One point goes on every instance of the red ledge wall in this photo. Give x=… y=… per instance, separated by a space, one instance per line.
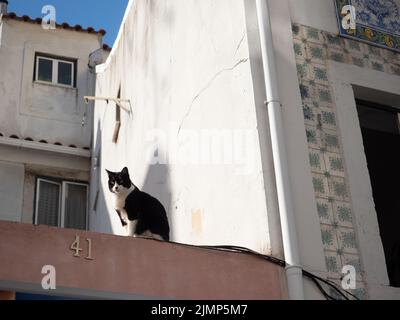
x=129 y=266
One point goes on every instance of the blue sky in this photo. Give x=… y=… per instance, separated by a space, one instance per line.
x=99 y=14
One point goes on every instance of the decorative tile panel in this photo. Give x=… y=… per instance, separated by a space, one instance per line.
x=338 y=189
x=323 y=95
x=313 y=49
x=360 y=292
x=353 y=46
x=337 y=55
x=325 y=211
x=334 y=164
x=299 y=49
x=317 y=162
x=353 y=260
x=313 y=35
x=328 y=118
x=311 y=114
x=321 y=185
x=303 y=70
x=316 y=52
x=314 y=137
x=330 y=140
x=329 y=238
x=377 y=22
x=347 y=240
x=319 y=73
x=333 y=264
x=343 y=214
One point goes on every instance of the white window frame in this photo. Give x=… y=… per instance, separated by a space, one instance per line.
x=38 y=196
x=343 y=79
x=117 y=125
x=55 y=62
x=61 y=209
x=63 y=197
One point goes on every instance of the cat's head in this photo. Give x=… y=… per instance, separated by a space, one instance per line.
x=119 y=182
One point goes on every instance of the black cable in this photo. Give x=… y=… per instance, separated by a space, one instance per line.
x=324 y=293
x=283 y=264
x=314 y=278
x=332 y=284
x=311 y=276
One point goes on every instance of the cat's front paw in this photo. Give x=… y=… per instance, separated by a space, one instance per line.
x=124 y=221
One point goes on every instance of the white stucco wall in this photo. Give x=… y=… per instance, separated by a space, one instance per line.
x=319 y=14
x=178 y=67
x=40 y=111
x=185 y=64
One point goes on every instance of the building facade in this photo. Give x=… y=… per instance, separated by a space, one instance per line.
x=193 y=74
x=45 y=126
x=270 y=125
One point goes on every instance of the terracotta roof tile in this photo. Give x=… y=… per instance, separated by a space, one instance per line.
x=79 y=28
x=106 y=47
x=43 y=141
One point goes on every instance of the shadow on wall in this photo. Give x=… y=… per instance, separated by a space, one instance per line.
x=104 y=223
x=100 y=216
x=157 y=184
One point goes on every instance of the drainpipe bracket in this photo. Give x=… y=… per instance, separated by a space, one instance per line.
x=295 y=267
x=268 y=102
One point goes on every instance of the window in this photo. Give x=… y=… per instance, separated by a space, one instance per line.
x=117 y=119
x=61 y=203
x=380 y=128
x=55 y=70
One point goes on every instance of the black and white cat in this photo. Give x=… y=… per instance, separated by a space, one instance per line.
x=140 y=213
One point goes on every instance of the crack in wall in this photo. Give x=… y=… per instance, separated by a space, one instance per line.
x=207 y=86
x=240 y=42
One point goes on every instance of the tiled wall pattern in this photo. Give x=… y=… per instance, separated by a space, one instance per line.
x=313 y=49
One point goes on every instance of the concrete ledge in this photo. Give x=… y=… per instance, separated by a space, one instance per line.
x=125 y=267
x=33 y=145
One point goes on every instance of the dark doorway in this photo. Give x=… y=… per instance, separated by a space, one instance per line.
x=381 y=135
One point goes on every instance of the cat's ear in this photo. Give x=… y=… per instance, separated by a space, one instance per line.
x=110 y=174
x=125 y=171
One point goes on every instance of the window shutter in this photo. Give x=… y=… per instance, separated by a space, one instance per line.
x=75 y=206
x=48 y=204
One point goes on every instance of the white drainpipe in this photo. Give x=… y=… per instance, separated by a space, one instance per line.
x=288 y=224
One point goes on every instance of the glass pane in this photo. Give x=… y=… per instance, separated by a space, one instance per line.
x=75 y=206
x=65 y=73
x=48 y=206
x=45 y=70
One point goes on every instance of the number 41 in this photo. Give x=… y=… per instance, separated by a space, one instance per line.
x=75 y=246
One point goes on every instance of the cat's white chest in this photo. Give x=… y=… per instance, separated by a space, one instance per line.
x=120 y=203
x=120 y=207
x=121 y=198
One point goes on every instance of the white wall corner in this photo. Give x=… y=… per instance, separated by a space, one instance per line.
x=307 y=220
